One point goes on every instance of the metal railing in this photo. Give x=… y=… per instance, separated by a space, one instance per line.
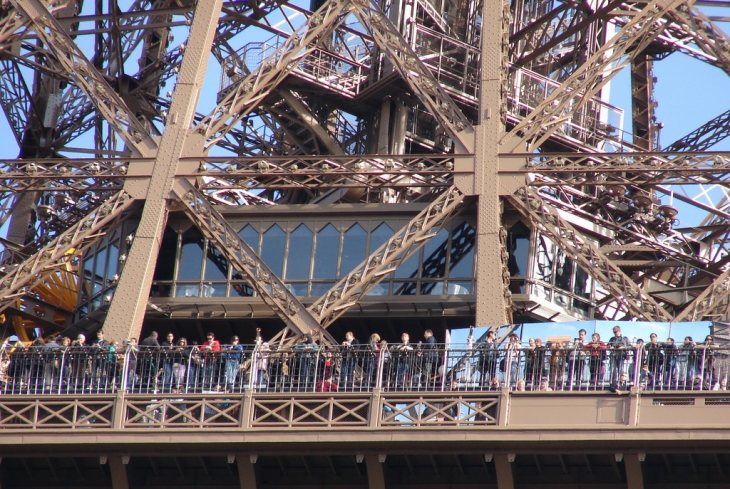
x=412 y=368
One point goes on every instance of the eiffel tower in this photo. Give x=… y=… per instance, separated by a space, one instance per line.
x=315 y=168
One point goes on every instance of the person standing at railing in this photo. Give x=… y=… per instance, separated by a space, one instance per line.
x=430 y=357
x=404 y=358
x=511 y=360
x=180 y=356
x=210 y=350
x=261 y=364
x=349 y=353
x=372 y=356
x=233 y=355
x=488 y=358
x=306 y=351
x=52 y=366
x=619 y=346
x=99 y=360
x=670 y=364
x=577 y=360
x=686 y=363
x=167 y=360
x=596 y=358
x=655 y=359
x=78 y=358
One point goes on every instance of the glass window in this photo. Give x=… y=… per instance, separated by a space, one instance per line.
x=544 y=260
x=112 y=260
x=461 y=261
x=216 y=265
x=99 y=272
x=353 y=249
x=273 y=249
x=583 y=283
x=328 y=247
x=434 y=255
x=380 y=235
x=250 y=236
x=563 y=271
x=409 y=268
x=518 y=247
x=191 y=255
x=300 y=253
x=165 y=268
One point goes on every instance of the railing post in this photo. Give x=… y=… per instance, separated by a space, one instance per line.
x=119 y=410
x=376 y=408
x=504 y=399
x=247 y=409
x=634 y=397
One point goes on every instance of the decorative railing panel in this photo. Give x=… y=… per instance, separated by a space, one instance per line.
x=330 y=412
x=66 y=413
x=438 y=411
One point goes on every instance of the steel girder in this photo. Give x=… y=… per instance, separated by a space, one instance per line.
x=705 y=136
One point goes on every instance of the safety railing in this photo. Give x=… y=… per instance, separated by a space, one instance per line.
x=411 y=368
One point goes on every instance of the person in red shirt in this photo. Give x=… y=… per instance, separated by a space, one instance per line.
x=211 y=362
x=596 y=357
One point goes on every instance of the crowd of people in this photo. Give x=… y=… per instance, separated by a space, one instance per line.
x=62 y=365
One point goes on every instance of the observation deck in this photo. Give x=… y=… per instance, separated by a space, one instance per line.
x=388 y=425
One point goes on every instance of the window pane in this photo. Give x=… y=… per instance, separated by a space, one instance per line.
x=518 y=247
x=300 y=253
x=564 y=271
x=250 y=236
x=583 y=283
x=434 y=255
x=380 y=235
x=216 y=265
x=328 y=247
x=273 y=249
x=191 y=256
x=112 y=260
x=99 y=272
x=461 y=262
x=409 y=268
x=544 y=260
x=353 y=249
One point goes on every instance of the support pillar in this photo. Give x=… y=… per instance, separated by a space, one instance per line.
x=118 y=472
x=246 y=472
x=505 y=479
x=128 y=307
x=492 y=305
x=376 y=478
x=634 y=474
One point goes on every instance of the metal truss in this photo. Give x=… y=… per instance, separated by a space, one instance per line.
x=243 y=259
x=704 y=137
x=705 y=34
x=419 y=78
x=19 y=277
x=711 y=302
x=65 y=51
x=586 y=81
x=624 y=292
x=345 y=293
x=248 y=91
x=639 y=169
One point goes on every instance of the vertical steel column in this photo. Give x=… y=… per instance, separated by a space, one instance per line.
x=376 y=477
x=491 y=306
x=118 y=471
x=634 y=474
x=246 y=472
x=127 y=310
x=505 y=479
x=642 y=105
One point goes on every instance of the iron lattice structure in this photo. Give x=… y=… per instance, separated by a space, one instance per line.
x=496 y=108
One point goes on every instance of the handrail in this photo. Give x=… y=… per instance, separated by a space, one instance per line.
x=412 y=368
